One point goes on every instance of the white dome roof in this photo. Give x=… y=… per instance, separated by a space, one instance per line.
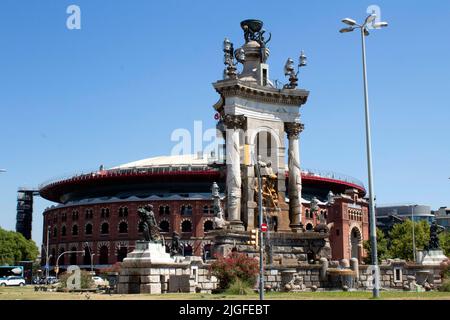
x=165 y=161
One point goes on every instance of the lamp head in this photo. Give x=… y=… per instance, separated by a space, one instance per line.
x=227 y=45
x=302 y=60
x=349 y=29
x=349 y=21
x=370 y=19
x=380 y=25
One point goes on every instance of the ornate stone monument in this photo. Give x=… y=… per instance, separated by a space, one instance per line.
x=255 y=116
x=433 y=254
x=137 y=272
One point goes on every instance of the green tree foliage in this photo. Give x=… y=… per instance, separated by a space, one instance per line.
x=401 y=245
x=14 y=247
x=444 y=239
x=382 y=248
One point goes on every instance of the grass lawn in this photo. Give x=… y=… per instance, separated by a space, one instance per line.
x=28 y=293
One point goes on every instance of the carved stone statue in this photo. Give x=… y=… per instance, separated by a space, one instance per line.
x=175 y=248
x=269 y=190
x=295 y=285
x=151 y=230
x=219 y=221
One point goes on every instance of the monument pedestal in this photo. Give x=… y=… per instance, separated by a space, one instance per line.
x=431 y=257
x=147 y=269
x=286 y=248
x=148 y=253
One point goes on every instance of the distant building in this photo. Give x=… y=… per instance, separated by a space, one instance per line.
x=24 y=217
x=389 y=215
x=443 y=217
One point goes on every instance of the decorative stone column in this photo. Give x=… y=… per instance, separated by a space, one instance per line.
x=233 y=125
x=293 y=130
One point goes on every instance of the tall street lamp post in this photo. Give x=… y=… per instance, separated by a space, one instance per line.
x=47 y=264
x=413 y=232
x=261 y=238
x=373 y=234
x=63 y=253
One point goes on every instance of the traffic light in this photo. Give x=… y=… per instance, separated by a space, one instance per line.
x=254 y=240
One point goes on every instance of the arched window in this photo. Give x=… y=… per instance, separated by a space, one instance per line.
x=207 y=251
x=74 y=230
x=307 y=214
x=189 y=209
x=63 y=231
x=105 y=213
x=123 y=227
x=186 y=226
x=120 y=212
x=122 y=253
x=208 y=226
x=87 y=256
x=161 y=209
x=55 y=232
x=183 y=209
x=104 y=255
x=167 y=210
x=125 y=211
x=73 y=256
x=104 y=228
x=53 y=257
x=88 y=228
x=61 y=261
x=187 y=250
x=164 y=226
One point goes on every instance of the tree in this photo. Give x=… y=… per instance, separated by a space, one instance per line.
x=14 y=247
x=401 y=245
x=444 y=239
x=382 y=248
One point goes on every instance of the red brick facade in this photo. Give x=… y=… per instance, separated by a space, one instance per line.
x=199 y=217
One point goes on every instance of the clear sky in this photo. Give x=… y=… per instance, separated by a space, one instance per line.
x=114 y=91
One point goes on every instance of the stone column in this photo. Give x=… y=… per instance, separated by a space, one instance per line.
x=295 y=180
x=233 y=125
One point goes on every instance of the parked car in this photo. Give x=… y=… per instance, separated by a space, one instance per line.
x=12 y=281
x=49 y=280
x=100 y=282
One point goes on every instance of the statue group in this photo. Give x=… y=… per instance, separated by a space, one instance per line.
x=150 y=230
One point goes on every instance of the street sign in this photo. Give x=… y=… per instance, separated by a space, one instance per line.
x=264 y=227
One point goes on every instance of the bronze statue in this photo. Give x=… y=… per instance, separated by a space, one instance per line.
x=175 y=247
x=151 y=230
x=434 y=238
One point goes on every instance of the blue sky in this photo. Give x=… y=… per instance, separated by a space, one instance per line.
x=114 y=91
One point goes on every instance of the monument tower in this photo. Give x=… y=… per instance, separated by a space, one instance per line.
x=256 y=115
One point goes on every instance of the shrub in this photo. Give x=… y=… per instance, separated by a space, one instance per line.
x=239 y=287
x=86 y=280
x=234 y=267
x=445 y=286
